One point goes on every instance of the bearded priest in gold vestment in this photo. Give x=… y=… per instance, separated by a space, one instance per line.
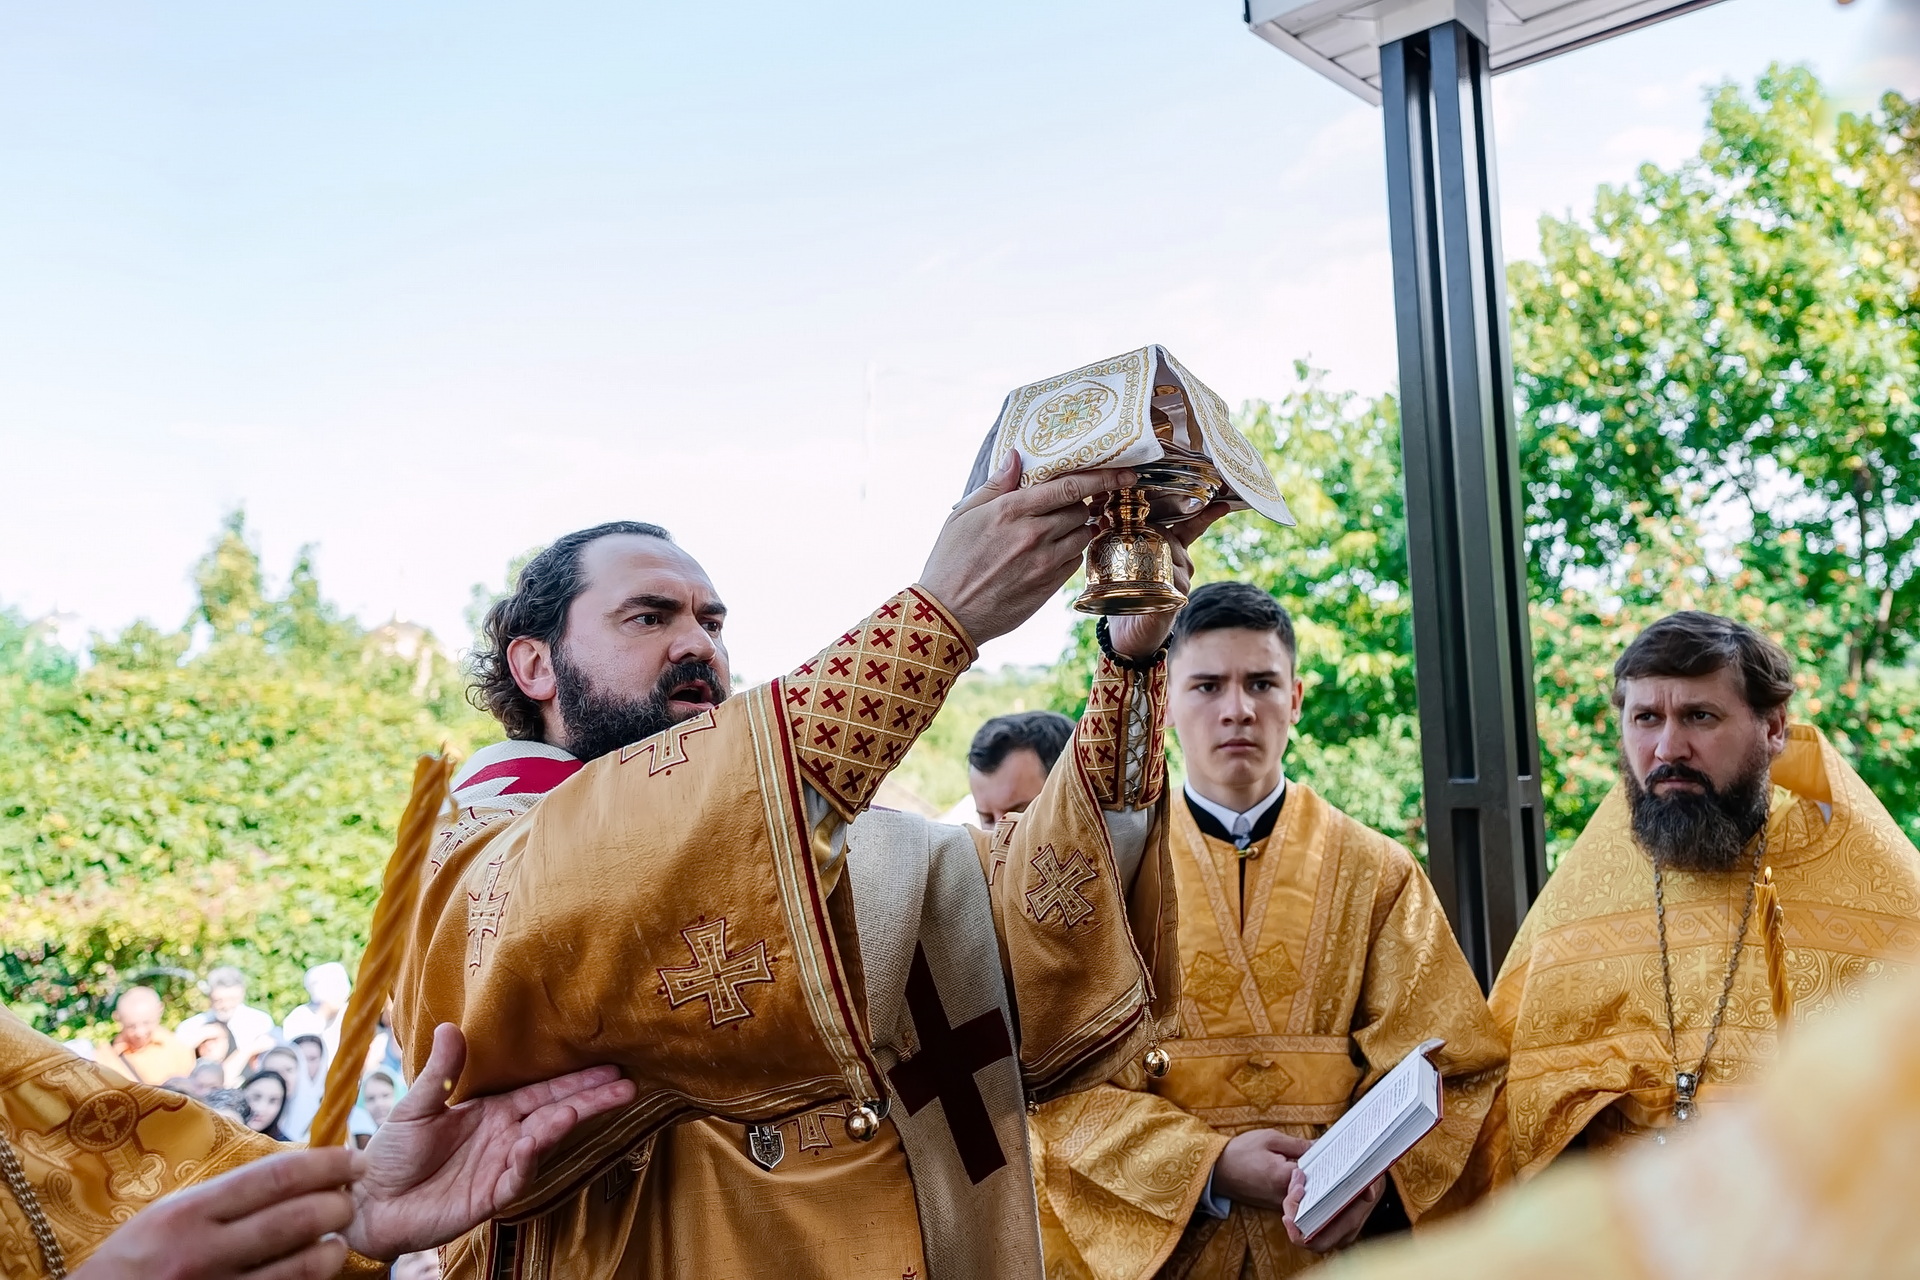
x=1740 y=876
x=834 y=1017
x=1315 y=958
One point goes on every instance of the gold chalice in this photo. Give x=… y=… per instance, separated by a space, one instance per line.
x=1130 y=562
x=1141 y=410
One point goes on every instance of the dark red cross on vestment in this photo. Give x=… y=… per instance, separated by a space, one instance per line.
x=944 y=1067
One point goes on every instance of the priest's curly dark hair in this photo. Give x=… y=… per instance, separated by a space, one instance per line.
x=536 y=607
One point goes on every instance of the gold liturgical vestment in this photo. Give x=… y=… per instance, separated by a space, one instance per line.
x=1580 y=995
x=684 y=908
x=1810 y=1175
x=1302 y=988
x=96 y=1149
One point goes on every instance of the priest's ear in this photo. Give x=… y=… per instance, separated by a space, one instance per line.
x=531 y=662
x=1775 y=721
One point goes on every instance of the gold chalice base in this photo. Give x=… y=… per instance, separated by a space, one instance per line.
x=1129 y=563
x=1112 y=599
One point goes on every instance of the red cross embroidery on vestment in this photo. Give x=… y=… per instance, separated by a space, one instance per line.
x=716 y=975
x=944 y=1067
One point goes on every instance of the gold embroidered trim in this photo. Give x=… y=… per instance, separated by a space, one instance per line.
x=796 y=880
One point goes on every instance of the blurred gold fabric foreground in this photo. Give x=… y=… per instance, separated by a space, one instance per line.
x=1809 y=1175
x=684 y=908
x=96 y=1149
x=1302 y=987
x=1580 y=995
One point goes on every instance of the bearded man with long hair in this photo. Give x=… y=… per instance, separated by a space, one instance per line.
x=693 y=882
x=1740 y=877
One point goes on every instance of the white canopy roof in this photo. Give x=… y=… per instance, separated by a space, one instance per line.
x=1341 y=39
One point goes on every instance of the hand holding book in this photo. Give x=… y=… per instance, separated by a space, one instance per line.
x=1343 y=1228
x=1260 y=1169
x=1346 y=1168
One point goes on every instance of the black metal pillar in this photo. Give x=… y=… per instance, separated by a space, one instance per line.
x=1473 y=657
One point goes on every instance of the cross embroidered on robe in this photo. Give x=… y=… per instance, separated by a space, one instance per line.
x=943 y=1069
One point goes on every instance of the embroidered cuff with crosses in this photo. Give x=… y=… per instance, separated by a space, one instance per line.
x=856 y=707
x=1119 y=739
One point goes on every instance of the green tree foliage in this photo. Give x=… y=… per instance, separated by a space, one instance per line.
x=1342 y=574
x=223 y=793
x=1727 y=352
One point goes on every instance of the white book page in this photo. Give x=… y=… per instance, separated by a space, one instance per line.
x=1356 y=1137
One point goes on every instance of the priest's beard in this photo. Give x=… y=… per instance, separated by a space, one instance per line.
x=598 y=722
x=1703 y=832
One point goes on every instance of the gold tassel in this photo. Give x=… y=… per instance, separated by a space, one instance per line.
x=1774 y=920
x=386 y=939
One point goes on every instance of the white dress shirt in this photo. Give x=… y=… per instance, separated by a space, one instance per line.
x=1239 y=825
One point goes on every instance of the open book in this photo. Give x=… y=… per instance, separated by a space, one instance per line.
x=1363 y=1144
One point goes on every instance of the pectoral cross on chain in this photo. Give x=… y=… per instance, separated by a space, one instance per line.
x=943 y=1069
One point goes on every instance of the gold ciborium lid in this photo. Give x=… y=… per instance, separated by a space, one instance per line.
x=1141 y=410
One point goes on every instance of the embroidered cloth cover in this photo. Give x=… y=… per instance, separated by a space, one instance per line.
x=1114 y=413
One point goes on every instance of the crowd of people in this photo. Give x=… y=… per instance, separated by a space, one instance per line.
x=266 y=1075
x=235 y=1058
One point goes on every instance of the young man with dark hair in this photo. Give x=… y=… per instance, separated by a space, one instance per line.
x=687 y=881
x=1315 y=956
x=1010 y=759
x=1654 y=975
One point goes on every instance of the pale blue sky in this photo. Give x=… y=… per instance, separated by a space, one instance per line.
x=427 y=284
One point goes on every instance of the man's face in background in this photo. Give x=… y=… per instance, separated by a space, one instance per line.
x=1696 y=759
x=1010 y=788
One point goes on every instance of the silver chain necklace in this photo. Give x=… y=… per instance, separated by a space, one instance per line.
x=1687 y=1083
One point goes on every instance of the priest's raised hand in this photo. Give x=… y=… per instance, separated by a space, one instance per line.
x=1005 y=550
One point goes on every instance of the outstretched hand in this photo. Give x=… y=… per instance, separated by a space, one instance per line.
x=1140 y=635
x=434 y=1172
x=1005 y=550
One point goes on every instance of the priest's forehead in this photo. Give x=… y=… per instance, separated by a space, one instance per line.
x=623 y=568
